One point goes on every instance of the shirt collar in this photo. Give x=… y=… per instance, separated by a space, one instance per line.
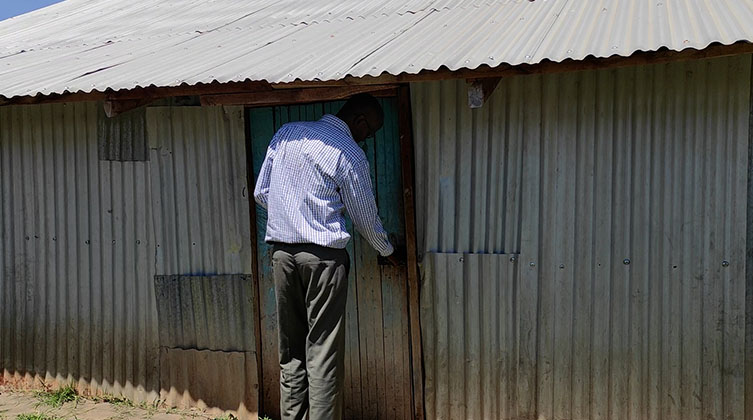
x=337 y=123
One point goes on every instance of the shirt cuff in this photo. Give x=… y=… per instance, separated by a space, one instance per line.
x=386 y=252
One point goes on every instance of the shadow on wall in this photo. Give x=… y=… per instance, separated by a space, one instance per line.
x=214 y=381
x=204 y=355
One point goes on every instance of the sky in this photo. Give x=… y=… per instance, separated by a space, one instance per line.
x=10 y=8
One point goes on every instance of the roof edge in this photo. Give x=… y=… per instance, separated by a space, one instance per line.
x=663 y=55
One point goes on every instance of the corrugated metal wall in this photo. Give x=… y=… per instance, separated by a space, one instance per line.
x=199 y=190
x=82 y=239
x=624 y=194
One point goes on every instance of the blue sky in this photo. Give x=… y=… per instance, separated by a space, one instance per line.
x=10 y=8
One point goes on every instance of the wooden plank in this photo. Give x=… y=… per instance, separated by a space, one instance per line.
x=296 y=96
x=370 y=310
x=394 y=279
x=262 y=123
x=140 y=93
x=254 y=260
x=407 y=175
x=385 y=171
x=354 y=407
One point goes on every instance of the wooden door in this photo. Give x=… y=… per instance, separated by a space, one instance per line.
x=377 y=359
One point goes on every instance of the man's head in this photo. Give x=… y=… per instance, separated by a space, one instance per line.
x=363 y=114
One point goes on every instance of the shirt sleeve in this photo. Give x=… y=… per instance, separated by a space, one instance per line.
x=358 y=198
x=261 y=191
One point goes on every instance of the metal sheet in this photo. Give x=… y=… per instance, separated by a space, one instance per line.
x=82 y=239
x=217 y=382
x=198 y=184
x=94 y=45
x=470 y=332
x=630 y=299
x=206 y=312
x=122 y=138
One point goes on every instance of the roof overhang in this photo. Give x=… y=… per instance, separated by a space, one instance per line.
x=261 y=93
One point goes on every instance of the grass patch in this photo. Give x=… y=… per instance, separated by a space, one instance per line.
x=37 y=416
x=111 y=399
x=57 y=398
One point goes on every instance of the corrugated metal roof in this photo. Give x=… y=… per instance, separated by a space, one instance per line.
x=94 y=45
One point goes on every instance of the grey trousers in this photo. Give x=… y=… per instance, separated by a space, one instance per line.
x=311 y=285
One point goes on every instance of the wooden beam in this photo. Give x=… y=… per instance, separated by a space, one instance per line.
x=114 y=107
x=139 y=93
x=405 y=128
x=296 y=96
x=479 y=90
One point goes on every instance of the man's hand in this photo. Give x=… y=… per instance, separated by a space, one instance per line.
x=396 y=259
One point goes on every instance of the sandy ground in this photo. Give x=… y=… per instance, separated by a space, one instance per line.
x=13 y=403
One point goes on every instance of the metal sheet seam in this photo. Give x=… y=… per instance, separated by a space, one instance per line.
x=548 y=30
x=393 y=38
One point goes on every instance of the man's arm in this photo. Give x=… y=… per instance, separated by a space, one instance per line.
x=358 y=198
x=261 y=192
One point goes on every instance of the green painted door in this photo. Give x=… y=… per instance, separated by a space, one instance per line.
x=377 y=361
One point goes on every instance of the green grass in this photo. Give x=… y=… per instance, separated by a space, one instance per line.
x=57 y=398
x=37 y=416
x=111 y=399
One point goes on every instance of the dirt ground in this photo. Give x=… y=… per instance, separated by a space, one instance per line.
x=15 y=403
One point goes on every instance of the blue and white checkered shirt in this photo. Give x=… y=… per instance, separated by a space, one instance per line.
x=312 y=173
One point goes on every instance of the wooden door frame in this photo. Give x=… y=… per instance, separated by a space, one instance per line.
x=405 y=128
x=405 y=133
x=255 y=275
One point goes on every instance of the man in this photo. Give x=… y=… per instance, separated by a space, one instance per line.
x=312 y=173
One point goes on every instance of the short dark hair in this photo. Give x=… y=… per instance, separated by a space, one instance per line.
x=361 y=103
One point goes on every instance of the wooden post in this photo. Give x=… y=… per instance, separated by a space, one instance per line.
x=405 y=123
x=256 y=277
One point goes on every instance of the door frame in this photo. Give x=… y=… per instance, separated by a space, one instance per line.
x=405 y=133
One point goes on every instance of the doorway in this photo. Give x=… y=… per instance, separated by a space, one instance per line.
x=377 y=360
